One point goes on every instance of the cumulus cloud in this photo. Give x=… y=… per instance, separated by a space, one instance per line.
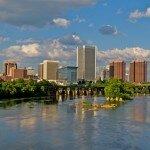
x=108 y=30
x=62 y=49
x=61 y=22
x=37 y=12
x=135 y=15
x=127 y=54
x=60 y=52
x=31 y=50
x=73 y=39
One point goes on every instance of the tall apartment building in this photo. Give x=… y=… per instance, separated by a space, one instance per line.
x=40 y=71
x=7 y=65
x=117 y=69
x=50 y=69
x=138 y=71
x=86 y=63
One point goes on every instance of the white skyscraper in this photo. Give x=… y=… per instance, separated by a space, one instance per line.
x=86 y=62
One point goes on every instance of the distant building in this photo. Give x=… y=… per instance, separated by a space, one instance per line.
x=50 y=69
x=117 y=69
x=30 y=71
x=86 y=63
x=7 y=65
x=138 y=71
x=105 y=73
x=18 y=73
x=67 y=74
x=40 y=71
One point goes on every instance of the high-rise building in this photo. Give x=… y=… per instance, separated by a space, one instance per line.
x=117 y=69
x=67 y=74
x=50 y=69
x=7 y=65
x=86 y=63
x=40 y=71
x=138 y=71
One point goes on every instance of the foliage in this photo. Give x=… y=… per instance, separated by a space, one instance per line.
x=21 y=88
x=119 y=88
x=99 y=83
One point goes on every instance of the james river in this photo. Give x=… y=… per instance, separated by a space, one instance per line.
x=63 y=127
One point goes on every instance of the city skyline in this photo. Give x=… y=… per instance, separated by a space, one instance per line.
x=120 y=30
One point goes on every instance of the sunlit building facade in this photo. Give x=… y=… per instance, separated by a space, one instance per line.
x=86 y=63
x=138 y=71
x=117 y=69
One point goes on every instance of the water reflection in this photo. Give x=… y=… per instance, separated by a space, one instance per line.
x=61 y=126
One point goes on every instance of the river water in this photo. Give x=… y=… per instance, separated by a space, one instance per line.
x=63 y=127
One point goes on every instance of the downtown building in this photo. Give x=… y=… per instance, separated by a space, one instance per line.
x=18 y=73
x=86 y=63
x=105 y=73
x=138 y=71
x=67 y=74
x=49 y=69
x=40 y=71
x=7 y=65
x=117 y=69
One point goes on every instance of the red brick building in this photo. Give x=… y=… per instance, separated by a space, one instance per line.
x=117 y=69
x=138 y=71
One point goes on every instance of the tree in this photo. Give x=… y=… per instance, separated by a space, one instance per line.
x=119 y=88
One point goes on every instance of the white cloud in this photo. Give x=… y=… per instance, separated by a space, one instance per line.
x=73 y=39
x=127 y=54
x=37 y=12
x=61 y=22
x=31 y=50
x=135 y=15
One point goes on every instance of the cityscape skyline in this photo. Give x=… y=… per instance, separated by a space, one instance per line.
x=85 y=69
x=119 y=29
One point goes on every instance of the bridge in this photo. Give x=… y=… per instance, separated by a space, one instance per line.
x=78 y=90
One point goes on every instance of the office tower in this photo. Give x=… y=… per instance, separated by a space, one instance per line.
x=138 y=71
x=67 y=74
x=40 y=71
x=117 y=69
x=86 y=62
x=7 y=65
x=50 y=69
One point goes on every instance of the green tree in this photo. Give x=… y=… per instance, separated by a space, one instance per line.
x=119 y=88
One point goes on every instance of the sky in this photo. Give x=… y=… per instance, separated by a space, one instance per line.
x=34 y=30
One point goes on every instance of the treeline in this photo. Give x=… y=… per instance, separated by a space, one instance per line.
x=116 y=88
x=23 y=89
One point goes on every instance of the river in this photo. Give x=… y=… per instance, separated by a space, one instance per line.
x=63 y=127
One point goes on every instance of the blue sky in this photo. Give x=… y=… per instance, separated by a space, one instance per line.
x=34 y=30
